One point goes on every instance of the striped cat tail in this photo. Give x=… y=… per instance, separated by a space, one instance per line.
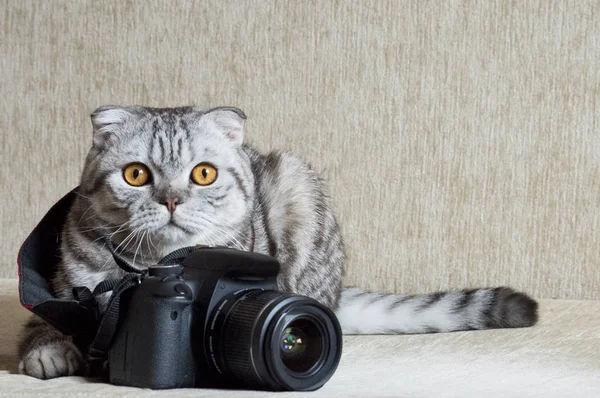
x=362 y=312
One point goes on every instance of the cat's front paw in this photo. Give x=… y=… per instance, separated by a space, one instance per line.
x=51 y=360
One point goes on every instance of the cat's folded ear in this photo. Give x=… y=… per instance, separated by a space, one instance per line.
x=106 y=121
x=229 y=121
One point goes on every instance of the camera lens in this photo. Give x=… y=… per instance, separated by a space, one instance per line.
x=273 y=340
x=301 y=345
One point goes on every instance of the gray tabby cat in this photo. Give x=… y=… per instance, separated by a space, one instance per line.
x=159 y=179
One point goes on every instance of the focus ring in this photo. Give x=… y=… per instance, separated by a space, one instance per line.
x=238 y=334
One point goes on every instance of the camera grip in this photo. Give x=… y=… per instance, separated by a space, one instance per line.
x=152 y=348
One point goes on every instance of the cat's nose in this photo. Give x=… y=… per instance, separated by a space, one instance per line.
x=171 y=204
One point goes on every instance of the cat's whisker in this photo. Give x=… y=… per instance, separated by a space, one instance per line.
x=138 y=248
x=107 y=226
x=83 y=196
x=238 y=245
x=107 y=238
x=89 y=244
x=120 y=229
x=148 y=244
x=211 y=242
x=109 y=258
x=231 y=238
x=86 y=210
x=152 y=243
x=132 y=242
x=96 y=240
x=131 y=234
x=125 y=241
x=206 y=237
x=77 y=230
x=87 y=218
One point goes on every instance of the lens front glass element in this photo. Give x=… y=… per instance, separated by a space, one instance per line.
x=301 y=345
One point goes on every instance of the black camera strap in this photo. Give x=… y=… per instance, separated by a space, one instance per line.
x=98 y=349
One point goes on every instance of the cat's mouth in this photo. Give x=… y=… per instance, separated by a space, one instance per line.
x=172 y=228
x=173 y=224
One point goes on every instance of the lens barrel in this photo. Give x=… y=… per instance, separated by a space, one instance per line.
x=271 y=340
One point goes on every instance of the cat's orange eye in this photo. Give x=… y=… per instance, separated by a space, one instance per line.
x=204 y=174
x=136 y=174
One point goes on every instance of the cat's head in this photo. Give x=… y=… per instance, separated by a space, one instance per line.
x=180 y=175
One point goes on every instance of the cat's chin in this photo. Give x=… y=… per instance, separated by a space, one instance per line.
x=169 y=245
x=172 y=233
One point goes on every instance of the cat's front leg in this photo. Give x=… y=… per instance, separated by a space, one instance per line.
x=46 y=353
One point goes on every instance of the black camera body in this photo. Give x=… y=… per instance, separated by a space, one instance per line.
x=215 y=319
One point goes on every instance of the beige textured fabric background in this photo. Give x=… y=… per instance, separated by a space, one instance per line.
x=460 y=138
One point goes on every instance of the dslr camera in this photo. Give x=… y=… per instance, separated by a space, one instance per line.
x=214 y=318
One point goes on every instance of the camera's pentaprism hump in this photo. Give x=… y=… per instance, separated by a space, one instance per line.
x=37 y=262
